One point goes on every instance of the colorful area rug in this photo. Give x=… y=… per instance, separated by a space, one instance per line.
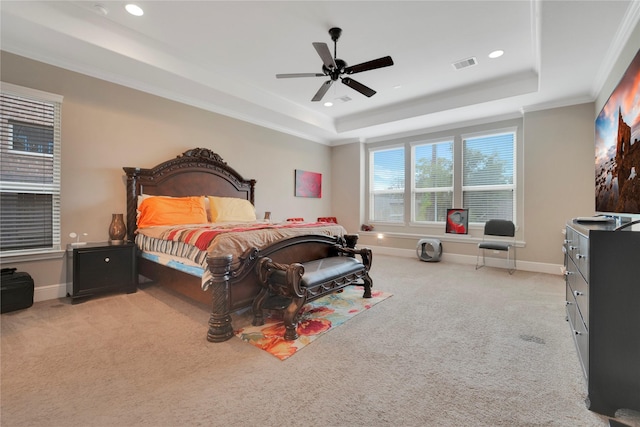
x=317 y=318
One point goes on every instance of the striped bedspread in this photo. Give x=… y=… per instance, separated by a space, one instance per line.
x=198 y=242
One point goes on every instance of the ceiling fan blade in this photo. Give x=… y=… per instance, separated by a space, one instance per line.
x=366 y=91
x=292 y=75
x=325 y=55
x=369 y=65
x=323 y=89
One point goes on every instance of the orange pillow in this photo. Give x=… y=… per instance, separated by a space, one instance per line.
x=171 y=211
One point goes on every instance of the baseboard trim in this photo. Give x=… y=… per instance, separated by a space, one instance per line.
x=49 y=292
x=535 y=267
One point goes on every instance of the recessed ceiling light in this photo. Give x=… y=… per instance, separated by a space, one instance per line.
x=134 y=9
x=328 y=104
x=496 y=54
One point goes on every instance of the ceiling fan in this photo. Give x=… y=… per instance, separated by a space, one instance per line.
x=337 y=68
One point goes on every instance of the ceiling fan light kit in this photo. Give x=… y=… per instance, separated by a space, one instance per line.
x=336 y=68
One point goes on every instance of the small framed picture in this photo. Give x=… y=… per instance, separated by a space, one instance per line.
x=457 y=221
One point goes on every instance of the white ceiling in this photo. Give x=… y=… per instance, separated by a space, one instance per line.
x=223 y=56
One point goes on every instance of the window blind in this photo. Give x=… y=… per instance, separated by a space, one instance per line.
x=30 y=149
x=387 y=184
x=488 y=186
x=432 y=181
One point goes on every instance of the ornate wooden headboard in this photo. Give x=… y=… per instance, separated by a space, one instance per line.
x=196 y=172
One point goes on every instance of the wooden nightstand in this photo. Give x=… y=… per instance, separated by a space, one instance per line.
x=101 y=267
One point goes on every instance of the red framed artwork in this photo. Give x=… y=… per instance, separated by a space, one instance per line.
x=308 y=184
x=457 y=221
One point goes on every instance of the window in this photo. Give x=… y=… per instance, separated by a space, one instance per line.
x=30 y=123
x=488 y=187
x=432 y=181
x=474 y=171
x=387 y=185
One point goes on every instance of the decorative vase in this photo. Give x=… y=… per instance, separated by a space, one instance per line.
x=117 y=229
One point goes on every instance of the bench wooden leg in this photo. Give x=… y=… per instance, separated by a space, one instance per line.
x=290 y=318
x=368 y=283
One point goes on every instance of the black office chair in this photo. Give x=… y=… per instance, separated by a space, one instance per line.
x=500 y=228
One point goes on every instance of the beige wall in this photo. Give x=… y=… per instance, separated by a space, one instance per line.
x=107 y=126
x=559 y=177
x=347 y=170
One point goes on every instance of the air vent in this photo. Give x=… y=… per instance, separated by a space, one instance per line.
x=465 y=63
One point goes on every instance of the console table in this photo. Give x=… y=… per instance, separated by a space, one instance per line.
x=603 y=310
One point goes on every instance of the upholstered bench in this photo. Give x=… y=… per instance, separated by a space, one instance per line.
x=288 y=287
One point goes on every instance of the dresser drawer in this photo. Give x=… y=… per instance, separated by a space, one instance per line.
x=578 y=328
x=577 y=247
x=581 y=338
x=572 y=243
x=579 y=289
x=582 y=256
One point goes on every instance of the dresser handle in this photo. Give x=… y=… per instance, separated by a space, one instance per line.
x=573 y=248
x=577 y=332
x=107 y=259
x=579 y=256
x=577 y=293
x=568 y=303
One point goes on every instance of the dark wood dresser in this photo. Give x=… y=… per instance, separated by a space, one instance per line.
x=603 y=310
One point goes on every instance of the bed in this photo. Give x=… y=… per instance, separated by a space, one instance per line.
x=223 y=277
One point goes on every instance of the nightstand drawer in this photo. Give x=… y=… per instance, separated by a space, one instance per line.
x=102 y=267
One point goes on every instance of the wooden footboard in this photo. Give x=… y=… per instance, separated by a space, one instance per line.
x=229 y=279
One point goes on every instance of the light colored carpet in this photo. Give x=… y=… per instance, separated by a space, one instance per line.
x=453 y=347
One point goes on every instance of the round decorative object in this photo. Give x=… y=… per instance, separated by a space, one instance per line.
x=429 y=250
x=117 y=228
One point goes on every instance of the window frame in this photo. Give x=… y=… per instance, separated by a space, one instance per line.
x=419 y=228
x=23 y=187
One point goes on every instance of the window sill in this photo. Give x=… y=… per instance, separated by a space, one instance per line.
x=464 y=238
x=449 y=237
x=31 y=256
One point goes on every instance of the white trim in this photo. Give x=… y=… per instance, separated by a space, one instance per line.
x=535 y=267
x=49 y=292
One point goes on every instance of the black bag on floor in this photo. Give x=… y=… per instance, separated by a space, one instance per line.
x=16 y=290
